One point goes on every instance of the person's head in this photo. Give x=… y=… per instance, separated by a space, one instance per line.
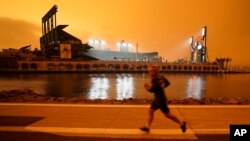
x=153 y=70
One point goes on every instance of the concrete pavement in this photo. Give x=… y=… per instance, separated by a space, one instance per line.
x=119 y=121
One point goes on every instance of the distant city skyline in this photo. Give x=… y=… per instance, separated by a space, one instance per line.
x=162 y=26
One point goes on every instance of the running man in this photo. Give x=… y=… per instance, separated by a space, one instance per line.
x=158 y=83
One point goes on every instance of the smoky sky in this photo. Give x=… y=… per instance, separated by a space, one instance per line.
x=17 y=33
x=162 y=26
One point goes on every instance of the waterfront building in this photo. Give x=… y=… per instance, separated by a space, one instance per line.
x=63 y=52
x=57 y=44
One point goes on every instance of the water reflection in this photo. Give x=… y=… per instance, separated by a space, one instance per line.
x=195 y=87
x=67 y=85
x=99 y=88
x=124 y=86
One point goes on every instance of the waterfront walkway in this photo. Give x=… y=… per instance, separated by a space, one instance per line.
x=93 y=122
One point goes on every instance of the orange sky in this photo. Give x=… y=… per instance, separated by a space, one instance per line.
x=156 y=25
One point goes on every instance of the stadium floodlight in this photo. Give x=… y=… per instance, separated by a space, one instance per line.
x=191 y=40
x=203 y=31
x=129 y=45
x=97 y=41
x=103 y=42
x=124 y=44
x=199 y=46
x=91 y=41
x=118 y=44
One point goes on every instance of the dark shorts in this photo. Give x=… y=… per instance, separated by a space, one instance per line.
x=162 y=106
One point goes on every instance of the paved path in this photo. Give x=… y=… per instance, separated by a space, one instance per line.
x=118 y=121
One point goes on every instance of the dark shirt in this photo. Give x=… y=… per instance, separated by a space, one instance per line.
x=158 y=84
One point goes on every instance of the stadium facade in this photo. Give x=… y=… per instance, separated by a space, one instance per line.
x=58 y=44
x=63 y=52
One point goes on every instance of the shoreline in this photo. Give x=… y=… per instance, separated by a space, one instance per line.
x=29 y=96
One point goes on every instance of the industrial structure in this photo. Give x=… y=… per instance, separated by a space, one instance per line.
x=199 y=48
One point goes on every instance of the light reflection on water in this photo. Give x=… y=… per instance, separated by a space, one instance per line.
x=195 y=86
x=124 y=86
x=99 y=88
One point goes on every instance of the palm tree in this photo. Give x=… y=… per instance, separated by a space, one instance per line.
x=221 y=62
x=227 y=60
x=230 y=60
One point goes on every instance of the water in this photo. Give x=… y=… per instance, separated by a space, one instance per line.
x=128 y=85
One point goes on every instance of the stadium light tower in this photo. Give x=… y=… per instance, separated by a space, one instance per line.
x=199 y=47
x=191 y=41
x=203 y=31
x=204 y=38
x=97 y=44
x=124 y=46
